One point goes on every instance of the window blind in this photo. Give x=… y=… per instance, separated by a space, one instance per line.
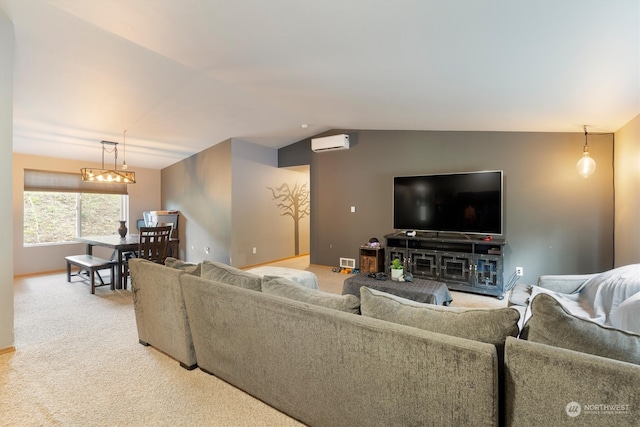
x=39 y=180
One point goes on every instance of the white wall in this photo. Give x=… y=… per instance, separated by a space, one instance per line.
x=143 y=196
x=627 y=185
x=6 y=148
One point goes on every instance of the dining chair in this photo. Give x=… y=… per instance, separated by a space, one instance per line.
x=154 y=243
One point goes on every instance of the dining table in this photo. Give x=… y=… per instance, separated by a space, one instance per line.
x=120 y=246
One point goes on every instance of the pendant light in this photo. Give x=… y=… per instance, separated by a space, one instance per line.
x=124 y=150
x=586 y=166
x=109 y=175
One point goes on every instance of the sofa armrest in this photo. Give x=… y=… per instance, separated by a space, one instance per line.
x=161 y=317
x=566 y=384
x=563 y=283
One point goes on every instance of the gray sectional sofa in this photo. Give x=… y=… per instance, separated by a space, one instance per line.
x=399 y=363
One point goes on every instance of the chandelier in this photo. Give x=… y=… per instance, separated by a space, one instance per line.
x=109 y=175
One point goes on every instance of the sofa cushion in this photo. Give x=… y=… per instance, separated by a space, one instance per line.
x=289 y=289
x=224 y=273
x=550 y=323
x=187 y=267
x=491 y=326
x=627 y=315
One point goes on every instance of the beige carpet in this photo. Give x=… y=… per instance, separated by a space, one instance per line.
x=78 y=363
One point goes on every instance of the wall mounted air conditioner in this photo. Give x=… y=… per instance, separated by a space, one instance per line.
x=328 y=143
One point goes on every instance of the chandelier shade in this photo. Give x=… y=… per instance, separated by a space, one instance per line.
x=109 y=175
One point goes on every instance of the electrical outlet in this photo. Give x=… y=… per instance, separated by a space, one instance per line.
x=255 y=250
x=206 y=249
x=519 y=271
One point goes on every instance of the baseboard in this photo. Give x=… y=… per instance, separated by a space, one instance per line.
x=7 y=350
x=246 y=267
x=40 y=273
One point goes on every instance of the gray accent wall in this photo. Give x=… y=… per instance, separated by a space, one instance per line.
x=257 y=221
x=200 y=188
x=555 y=222
x=225 y=205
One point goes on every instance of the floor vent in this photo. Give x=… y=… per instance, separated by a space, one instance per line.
x=347 y=263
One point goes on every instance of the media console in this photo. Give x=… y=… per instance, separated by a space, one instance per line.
x=463 y=263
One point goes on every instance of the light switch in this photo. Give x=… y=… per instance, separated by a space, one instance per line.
x=353 y=209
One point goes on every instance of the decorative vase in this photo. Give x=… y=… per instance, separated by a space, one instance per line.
x=396 y=273
x=122 y=230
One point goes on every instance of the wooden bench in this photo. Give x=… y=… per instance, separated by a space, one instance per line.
x=91 y=264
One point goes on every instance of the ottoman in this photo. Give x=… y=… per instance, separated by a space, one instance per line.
x=419 y=290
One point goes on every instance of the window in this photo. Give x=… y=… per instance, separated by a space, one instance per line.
x=59 y=207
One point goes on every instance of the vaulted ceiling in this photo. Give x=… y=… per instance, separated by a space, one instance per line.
x=181 y=75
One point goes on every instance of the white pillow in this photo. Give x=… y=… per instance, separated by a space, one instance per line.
x=627 y=315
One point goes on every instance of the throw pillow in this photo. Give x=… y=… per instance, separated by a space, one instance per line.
x=289 y=289
x=189 y=268
x=627 y=315
x=491 y=326
x=552 y=324
x=224 y=273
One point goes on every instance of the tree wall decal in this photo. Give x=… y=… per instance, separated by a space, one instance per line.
x=293 y=202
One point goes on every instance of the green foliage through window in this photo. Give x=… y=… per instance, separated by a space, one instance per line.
x=51 y=217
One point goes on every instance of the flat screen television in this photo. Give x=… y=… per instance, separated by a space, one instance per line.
x=467 y=203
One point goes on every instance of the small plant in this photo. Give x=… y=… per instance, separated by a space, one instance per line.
x=396 y=264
